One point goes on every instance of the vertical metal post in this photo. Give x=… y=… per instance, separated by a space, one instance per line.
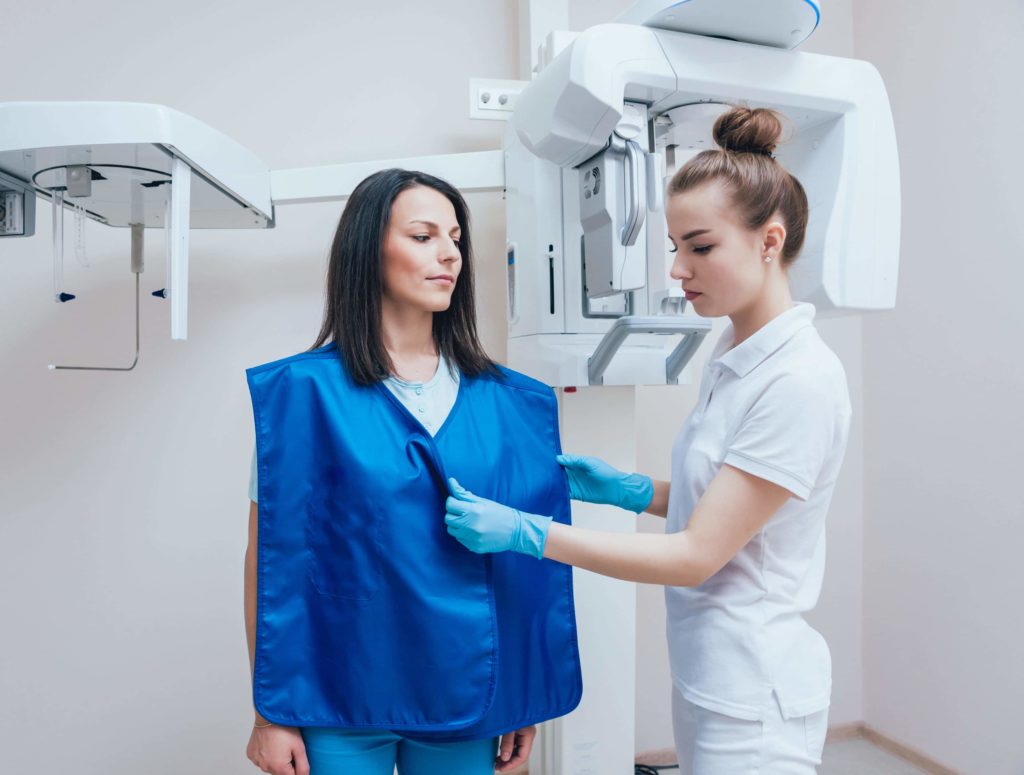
x=138 y=242
x=178 y=225
x=57 y=200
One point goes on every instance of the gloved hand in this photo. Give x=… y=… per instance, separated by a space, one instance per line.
x=485 y=526
x=594 y=481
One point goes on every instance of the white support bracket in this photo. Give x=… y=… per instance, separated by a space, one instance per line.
x=468 y=172
x=177 y=242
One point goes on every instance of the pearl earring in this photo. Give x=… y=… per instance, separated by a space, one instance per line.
x=767 y=259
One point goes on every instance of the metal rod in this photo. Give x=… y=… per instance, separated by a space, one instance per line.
x=136 y=270
x=57 y=200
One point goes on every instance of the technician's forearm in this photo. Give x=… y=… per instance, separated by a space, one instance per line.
x=670 y=560
x=659 y=503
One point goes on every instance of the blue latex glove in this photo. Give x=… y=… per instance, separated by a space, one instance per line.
x=485 y=526
x=594 y=481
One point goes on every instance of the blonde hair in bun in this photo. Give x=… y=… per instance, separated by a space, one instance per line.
x=759 y=185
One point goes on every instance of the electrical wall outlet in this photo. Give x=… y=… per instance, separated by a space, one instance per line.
x=493 y=99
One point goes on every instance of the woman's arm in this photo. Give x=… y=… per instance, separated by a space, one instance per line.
x=250 y=590
x=275 y=749
x=732 y=510
x=659 y=502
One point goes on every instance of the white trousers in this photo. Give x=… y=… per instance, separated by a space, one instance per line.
x=708 y=743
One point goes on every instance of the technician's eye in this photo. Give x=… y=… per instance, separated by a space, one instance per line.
x=702 y=249
x=421 y=237
x=674 y=250
x=457 y=242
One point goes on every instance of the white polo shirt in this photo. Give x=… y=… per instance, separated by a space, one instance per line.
x=776 y=406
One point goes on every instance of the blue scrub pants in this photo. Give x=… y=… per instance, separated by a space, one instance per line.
x=374 y=752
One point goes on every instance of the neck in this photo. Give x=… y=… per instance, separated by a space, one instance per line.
x=748 y=321
x=408 y=333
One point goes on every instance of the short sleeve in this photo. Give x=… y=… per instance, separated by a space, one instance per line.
x=787 y=434
x=253 y=481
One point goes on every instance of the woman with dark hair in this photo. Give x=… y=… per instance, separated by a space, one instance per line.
x=372 y=635
x=753 y=472
x=387 y=318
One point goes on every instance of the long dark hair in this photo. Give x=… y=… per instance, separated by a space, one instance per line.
x=352 y=309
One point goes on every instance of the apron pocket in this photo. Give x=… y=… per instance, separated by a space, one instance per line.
x=344 y=549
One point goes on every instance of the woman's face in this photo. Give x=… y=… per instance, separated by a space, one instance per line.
x=719 y=262
x=421 y=258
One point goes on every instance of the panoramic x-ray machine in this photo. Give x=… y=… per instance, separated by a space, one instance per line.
x=591 y=142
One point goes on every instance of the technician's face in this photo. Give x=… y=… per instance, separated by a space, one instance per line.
x=421 y=258
x=718 y=260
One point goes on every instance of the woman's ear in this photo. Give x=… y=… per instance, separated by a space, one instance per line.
x=774 y=240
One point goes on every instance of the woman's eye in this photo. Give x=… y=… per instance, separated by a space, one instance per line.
x=674 y=250
x=702 y=248
x=421 y=237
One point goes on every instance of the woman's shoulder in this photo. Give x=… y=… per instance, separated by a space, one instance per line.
x=329 y=352
x=516 y=380
x=811 y=356
x=813 y=374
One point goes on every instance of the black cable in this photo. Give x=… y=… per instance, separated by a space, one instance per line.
x=653 y=769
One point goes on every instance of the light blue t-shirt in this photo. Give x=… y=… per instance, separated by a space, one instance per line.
x=429 y=402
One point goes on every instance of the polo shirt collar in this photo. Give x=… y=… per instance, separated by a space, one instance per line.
x=742 y=359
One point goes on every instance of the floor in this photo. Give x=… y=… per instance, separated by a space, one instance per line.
x=855 y=756
x=859 y=757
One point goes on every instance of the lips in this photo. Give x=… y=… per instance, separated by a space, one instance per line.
x=445 y=279
x=691 y=295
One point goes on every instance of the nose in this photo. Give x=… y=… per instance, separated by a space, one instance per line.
x=680 y=271
x=449 y=250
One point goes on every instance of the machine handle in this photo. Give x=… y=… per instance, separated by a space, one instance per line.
x=694 y=330
x=636 y=195
x=655 y=181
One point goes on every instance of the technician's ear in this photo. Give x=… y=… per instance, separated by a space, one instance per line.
x=774 y=240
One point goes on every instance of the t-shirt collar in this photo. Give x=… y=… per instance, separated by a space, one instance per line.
x=442 y=370
x=742 y=359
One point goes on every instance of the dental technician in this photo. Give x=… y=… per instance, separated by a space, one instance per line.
x=753 y=472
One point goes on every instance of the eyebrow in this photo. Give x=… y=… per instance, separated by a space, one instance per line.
x=431 y=223
x=694 y=233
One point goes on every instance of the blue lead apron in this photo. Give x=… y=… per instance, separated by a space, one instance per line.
x=368 y=614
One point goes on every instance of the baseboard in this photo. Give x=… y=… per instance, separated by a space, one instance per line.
x=845 y=732
x=905 y=752
x=837 y=733
x=657 y=757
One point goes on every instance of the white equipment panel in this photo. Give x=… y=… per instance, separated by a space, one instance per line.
x=134 y=165
x=129 y=149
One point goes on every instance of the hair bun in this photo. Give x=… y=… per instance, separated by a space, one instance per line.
x=746 y=130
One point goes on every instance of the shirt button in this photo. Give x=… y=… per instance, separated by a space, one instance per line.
x=422 y=409
x=419 y=391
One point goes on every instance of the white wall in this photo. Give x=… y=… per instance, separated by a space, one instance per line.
x=944 y=378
